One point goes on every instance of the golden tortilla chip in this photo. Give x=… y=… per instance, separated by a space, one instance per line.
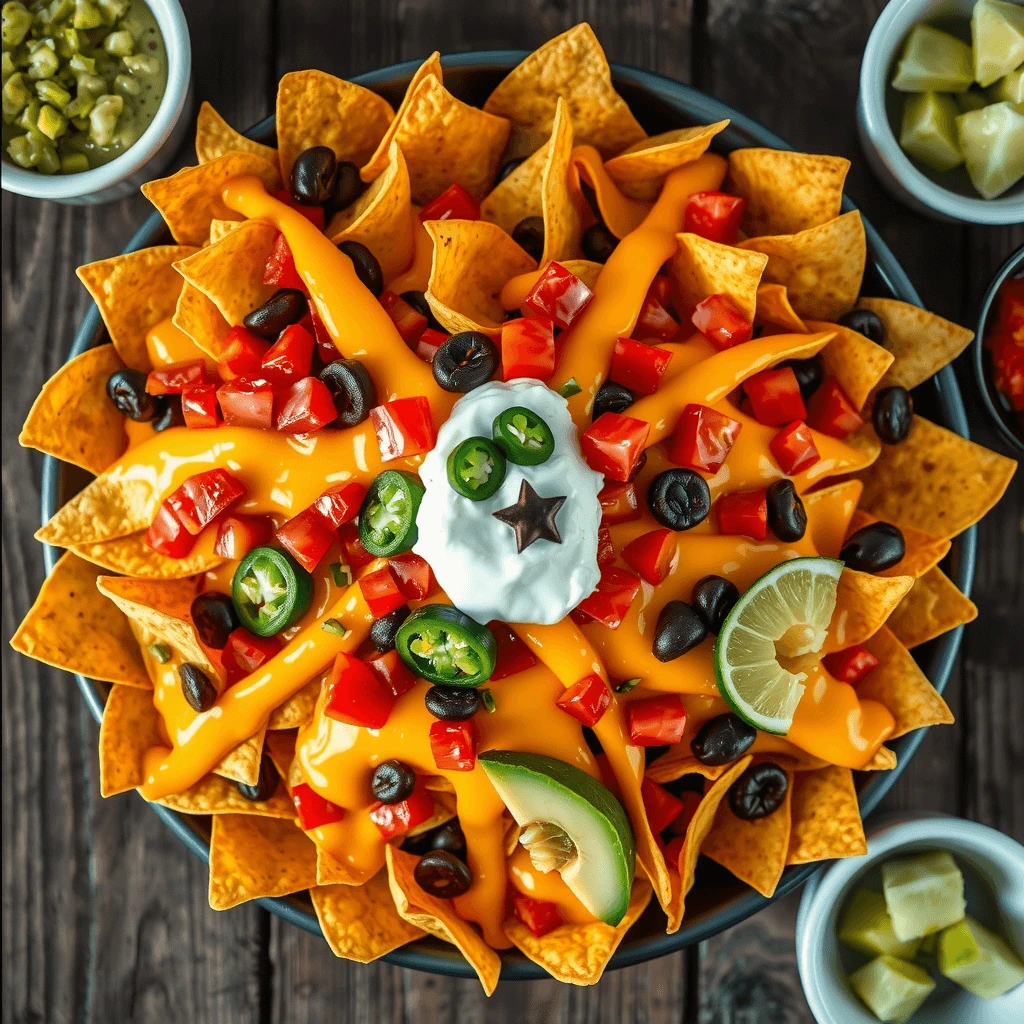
x=72 y=626
x=243 y=763
x=134 y=292
x=297 y=711
x=253 y=856
x=216 y=138
x=572 y=66
x=360 y=922
x=923 y=551
x=586 y=270
x=921 y=342
x=786 y=192
x=679 y=761
x=213 y=794
x=826 y=820
x=821 y=267
x=220 y=228
x=198 y=317
x=73 y=419
x=438 y=917
x=190 y=199
x=130 y=727
x=331 y=870
x=855 y=361
x=701 y=268
x=935 y=480
x=472 y=261
x=932 y=607
x=132 y=556
x=883 y=761
x=863 y=603
x=773 y=308
x=618 y=212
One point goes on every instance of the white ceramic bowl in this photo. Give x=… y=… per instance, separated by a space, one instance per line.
x=996 y=860
x=892 y=166
x=150 y=154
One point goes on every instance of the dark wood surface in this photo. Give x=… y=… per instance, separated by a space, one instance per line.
x=104 y=915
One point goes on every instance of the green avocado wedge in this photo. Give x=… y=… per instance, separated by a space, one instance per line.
x=599 y=864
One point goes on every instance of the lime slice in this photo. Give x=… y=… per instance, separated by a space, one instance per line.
x=892 y=989
x=1009 y=88
x=933 y=60
x=929 y=130
x=992 y=142
x=924 y=893
x=973 y=99
x=866 y=927
x=997 y=32
x=785 y=614
x=979 y=960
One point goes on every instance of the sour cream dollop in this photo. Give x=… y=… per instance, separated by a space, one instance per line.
x=474 y=555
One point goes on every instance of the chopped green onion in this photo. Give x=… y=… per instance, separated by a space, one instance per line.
x=333 y=626
x=161 y=652
x=628 y=685
x=487 y=698
x=570 y=388
x=341 y=574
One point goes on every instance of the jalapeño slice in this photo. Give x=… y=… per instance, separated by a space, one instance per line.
x=442 y=645
x=476 y=468
x=387 y=519
x=523 y=436
x=270 y=591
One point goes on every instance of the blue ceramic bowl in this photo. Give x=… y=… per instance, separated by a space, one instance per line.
x=718 y=900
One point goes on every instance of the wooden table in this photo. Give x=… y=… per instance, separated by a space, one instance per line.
x=104 y=914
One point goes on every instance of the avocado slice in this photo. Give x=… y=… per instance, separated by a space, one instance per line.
x=891 y=988
x=924 y=893
x=571 y=824
x=979 y=960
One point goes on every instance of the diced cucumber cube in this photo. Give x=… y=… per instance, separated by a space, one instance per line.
x=866 y=927
x=892 y=989
x=992 y=142
x=978 y=960
x=933 y=61
x=997 y=32
x=925 y=892
x=929 y=130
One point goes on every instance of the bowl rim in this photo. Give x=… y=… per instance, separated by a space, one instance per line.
x=178 y=46
x=430 y=955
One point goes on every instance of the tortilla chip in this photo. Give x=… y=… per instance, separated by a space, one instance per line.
x=619 y=214
x=883 y=761
x=923 y=551
x=679 y=761
x=134 y=292
x=360 y=922
x=213 y=794
x=220 y=228
x=199 y=318
x=786 y=192
x=921 y=342
x=933 y=606
x=773 y=308
x=331 y=870
x=130 y=727
x=243 y=763
x=472 y=261
x=438 y=917
x=863 y=603
x=190 y=199
x=72 y=626
x=701 y=268
x=132 y=556
x=280 y=748
x=572 y=66
x=855 y=361
x=73 y=419
x=297 y=711
x=382 y=218
x=821 y=267
x=586 y=270
x=826 y=820
x=253 y=856
x=216 y=138
x=935 y=480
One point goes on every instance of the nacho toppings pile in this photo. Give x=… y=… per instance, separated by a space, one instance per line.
x=496 y=509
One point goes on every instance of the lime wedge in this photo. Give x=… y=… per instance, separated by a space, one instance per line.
x=1009 y=88
x=866 y=927
x=992 y=142
x=929 y=130
x=924 y=893
x=935 y=61
x=892 y=989
x=979 y=960
x=997 y=32
x=973 y=99
x=785 y=614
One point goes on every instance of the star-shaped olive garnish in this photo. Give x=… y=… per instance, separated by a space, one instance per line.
x=532 y=517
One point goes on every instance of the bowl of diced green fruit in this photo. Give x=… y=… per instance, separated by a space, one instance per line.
x=941 y=107
x=927 y=927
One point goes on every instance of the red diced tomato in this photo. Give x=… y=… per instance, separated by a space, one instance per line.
x=167 y=536
x=671 y=850
x=173 y=380
x=201 y=498
x=393 y=820
x=702 y=438
x=654 y=320
x=280 y=266
x=199 y=406
x=558 y=294
x=242 y=354
x=314 y=214
x=743 y=514
x=651 y=555
x=637 y=366
x=832 y=412
x=404 y=427
x=455 y=203
x=613 y=445
x=355 y=695
x=381 y=593
x=247 y=402
x=794 y=448
x=314 y=810
x=718 y=319
x=540 y=916
x=661 y=806
x=513 y=655
x=528 y=348
x=715 y=216
x=340 y=503
x=325 y=346
x=453 y=745
x=238 y=534
x=415 y=580
x=605 y=547
x=586 y=700
x=306 y=406
x=619 y=503
x=850 y=665
x=775 y=396
x=392 y=673
x=661 y=289
x=411 y=323
x=307 y=537
x=356 y=555
x=609 y=603
x=245 y=652
x=290 y=357
x=430 y=341
x=655 y=721
x=690 y=801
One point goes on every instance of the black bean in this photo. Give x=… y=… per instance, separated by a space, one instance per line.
x=367 y=268
x=713 y=598
x=874 y=548
x=127 y=390
x=612 y=397
x=450 y=837
x=353 y=390
x=284 y=307
x=810 y=374
x=679 y=499
x=865 y=322
x=758 y=792
x=465 y=361
x=509 y=168
x=266 y=784
x=214 y=617
x=593 y=743
x=313 y=176
x=787 y=516
x=722 y=739
x=169 y=413
x=418 y=301
x=200 y=693
x=442 y=874
x=893 y=415
x=598 y=243
x=393 y=781
x=348 y=187
x=452 y=703
x=679 y=630
x=384 y=630
x=529 y=234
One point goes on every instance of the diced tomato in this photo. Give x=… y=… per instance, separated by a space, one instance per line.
x=654 y=721
x=325 y=346
x=314 y=810
x=392 y=673
x=619 y=503
x=832 y=412
x=453 y=745
x=558 y=294
x=715 y=216
x=355 y=694
x=201 y=498
x=340 y=503
x=613 y=445
x=247 y=402
x=306 y=406
x=280 y=266
x=513 y=655
x=356 y=555
x=605 y=547
x=381 y=593
x=242 y=354
x=411 y=323
x=775 y=396
x=430 y=341
x=794 y=448
x=540 y=916
x=654 y=320
x=455 y=203
x=413 y=575
x=167 y=536
x=307 y=537
x=661 y=806
x=850 y=665
x=404 y=427
x=718 y=319
x=703 y=438
x=609 y=603
x=173 y=380
x=586 y=700
x=393 y=820
x=238 y=534
x=314 y=214
x=637 y=366
x=245 y=652
x=743 y=514
x=528 y=348
x=661 y=290
x=671 y=850
x=690 y=801
x=651 y=555
x=290 y=357
x=199 y=406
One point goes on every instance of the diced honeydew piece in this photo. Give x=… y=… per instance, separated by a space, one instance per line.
x=929 y=131
x=997 y=34
x=924 y=893
x=866 y=927
x=978 y=959
x=992 y=142
x=891 y=988
x=1009 y=88
x=933 y=60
